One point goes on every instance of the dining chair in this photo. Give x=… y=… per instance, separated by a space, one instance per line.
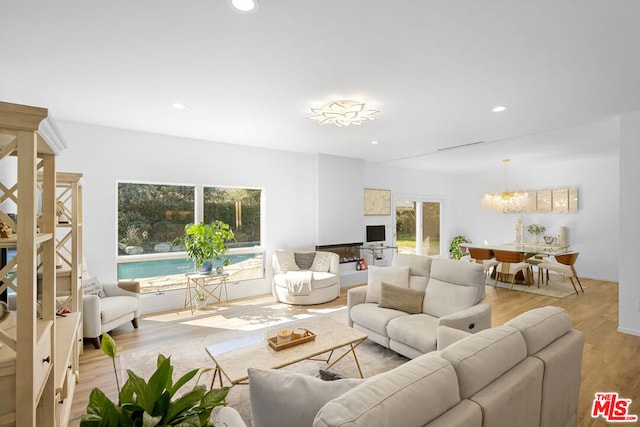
x=564 y=264
x=485 y=257
x=510 y=263
x=535 y=261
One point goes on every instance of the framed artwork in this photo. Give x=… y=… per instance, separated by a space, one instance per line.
x=573 y=200
x=532 y=205
x=561 y=200
x=543 y=201
x=377 y=202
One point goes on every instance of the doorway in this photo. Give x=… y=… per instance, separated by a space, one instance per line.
x=418 y=227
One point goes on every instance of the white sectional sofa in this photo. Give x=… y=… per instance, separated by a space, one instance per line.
x=306 y=277
x=453 y=293
x=526 y=373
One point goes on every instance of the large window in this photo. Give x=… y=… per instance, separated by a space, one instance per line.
x=152 y=217
x=151 y=223
x=418 y=227
x=238 y=207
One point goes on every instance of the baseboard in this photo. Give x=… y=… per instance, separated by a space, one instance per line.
x=629 y=331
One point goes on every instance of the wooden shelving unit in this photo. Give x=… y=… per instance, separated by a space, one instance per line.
x=37 y=345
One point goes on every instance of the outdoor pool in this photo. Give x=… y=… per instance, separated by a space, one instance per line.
x=144 y=269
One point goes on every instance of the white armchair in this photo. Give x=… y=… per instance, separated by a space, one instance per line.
x=306 y=277
x=119 y=304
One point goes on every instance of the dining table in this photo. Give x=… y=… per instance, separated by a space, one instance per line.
x=529 y=251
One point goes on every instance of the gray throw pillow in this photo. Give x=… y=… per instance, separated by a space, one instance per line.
x=290 y=399
x=403 y=299
x=92 y=286
x=304 y=260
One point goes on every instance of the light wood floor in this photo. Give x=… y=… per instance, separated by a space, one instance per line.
x=611 y=359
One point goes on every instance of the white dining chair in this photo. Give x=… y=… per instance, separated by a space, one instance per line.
x=510 y=264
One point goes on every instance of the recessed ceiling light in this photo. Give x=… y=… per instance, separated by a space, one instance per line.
x=499 y=109
x=245 y=6
x=179 y=105
x=375 y=142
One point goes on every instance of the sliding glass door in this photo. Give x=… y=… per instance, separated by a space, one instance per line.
x=418 y=227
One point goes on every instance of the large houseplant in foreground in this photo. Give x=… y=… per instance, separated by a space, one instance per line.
x=152 y=403
x=207 y=242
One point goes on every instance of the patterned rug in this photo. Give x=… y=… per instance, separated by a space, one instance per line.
x=190 y=354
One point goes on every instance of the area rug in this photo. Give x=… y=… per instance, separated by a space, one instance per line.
x=557 y=288
x=188 y=354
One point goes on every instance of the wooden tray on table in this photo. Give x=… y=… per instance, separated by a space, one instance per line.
x=308 y=336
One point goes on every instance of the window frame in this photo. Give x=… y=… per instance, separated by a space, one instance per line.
x=198 y=216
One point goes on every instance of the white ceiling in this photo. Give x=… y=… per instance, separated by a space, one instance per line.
x=435 y=68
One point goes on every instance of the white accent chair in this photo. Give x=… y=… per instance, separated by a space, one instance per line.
x=119 y=304
x=322 y=270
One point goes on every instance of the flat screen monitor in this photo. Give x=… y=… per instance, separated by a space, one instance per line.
x=376 y=233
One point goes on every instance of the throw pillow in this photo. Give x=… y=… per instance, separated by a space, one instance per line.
x=321 y=262
x=403 y=299
x=304 y=260
x=283 y=398
x=397 y=276
x=286 y=261
x=92 y=286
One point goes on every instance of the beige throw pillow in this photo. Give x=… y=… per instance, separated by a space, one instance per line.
x=397 y=276
x=407 y=300
x=287 y=261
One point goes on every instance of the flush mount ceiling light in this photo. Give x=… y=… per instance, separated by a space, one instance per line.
x=244 y=6
x=507 y=201
x=343 y=113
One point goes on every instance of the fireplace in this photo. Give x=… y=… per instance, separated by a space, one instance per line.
x=348 y=252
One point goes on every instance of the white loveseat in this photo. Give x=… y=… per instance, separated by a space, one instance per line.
x=526 y=373
x=453 y=294
x=306 y=277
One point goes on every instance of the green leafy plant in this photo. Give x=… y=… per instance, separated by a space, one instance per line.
x=536 y=229
x=455 y=251
x=207 y=241
x=132 y=237
x=148 y=404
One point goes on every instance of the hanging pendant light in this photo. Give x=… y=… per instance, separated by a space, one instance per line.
x=507 y=201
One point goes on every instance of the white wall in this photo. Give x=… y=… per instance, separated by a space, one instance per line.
x=629 y=291
x=318 y=199
x=410 y=185
x=340 y=200
x=105 y=155
x=592 y=231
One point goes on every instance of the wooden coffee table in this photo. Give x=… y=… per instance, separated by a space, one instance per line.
x=234 y=357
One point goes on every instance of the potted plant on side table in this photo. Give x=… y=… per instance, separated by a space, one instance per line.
x=207 y=242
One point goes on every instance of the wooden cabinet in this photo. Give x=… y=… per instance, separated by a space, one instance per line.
x=68 y=237
x=37 y=345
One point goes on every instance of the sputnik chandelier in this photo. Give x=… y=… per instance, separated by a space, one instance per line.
x=343 y=113
x=507 y=201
